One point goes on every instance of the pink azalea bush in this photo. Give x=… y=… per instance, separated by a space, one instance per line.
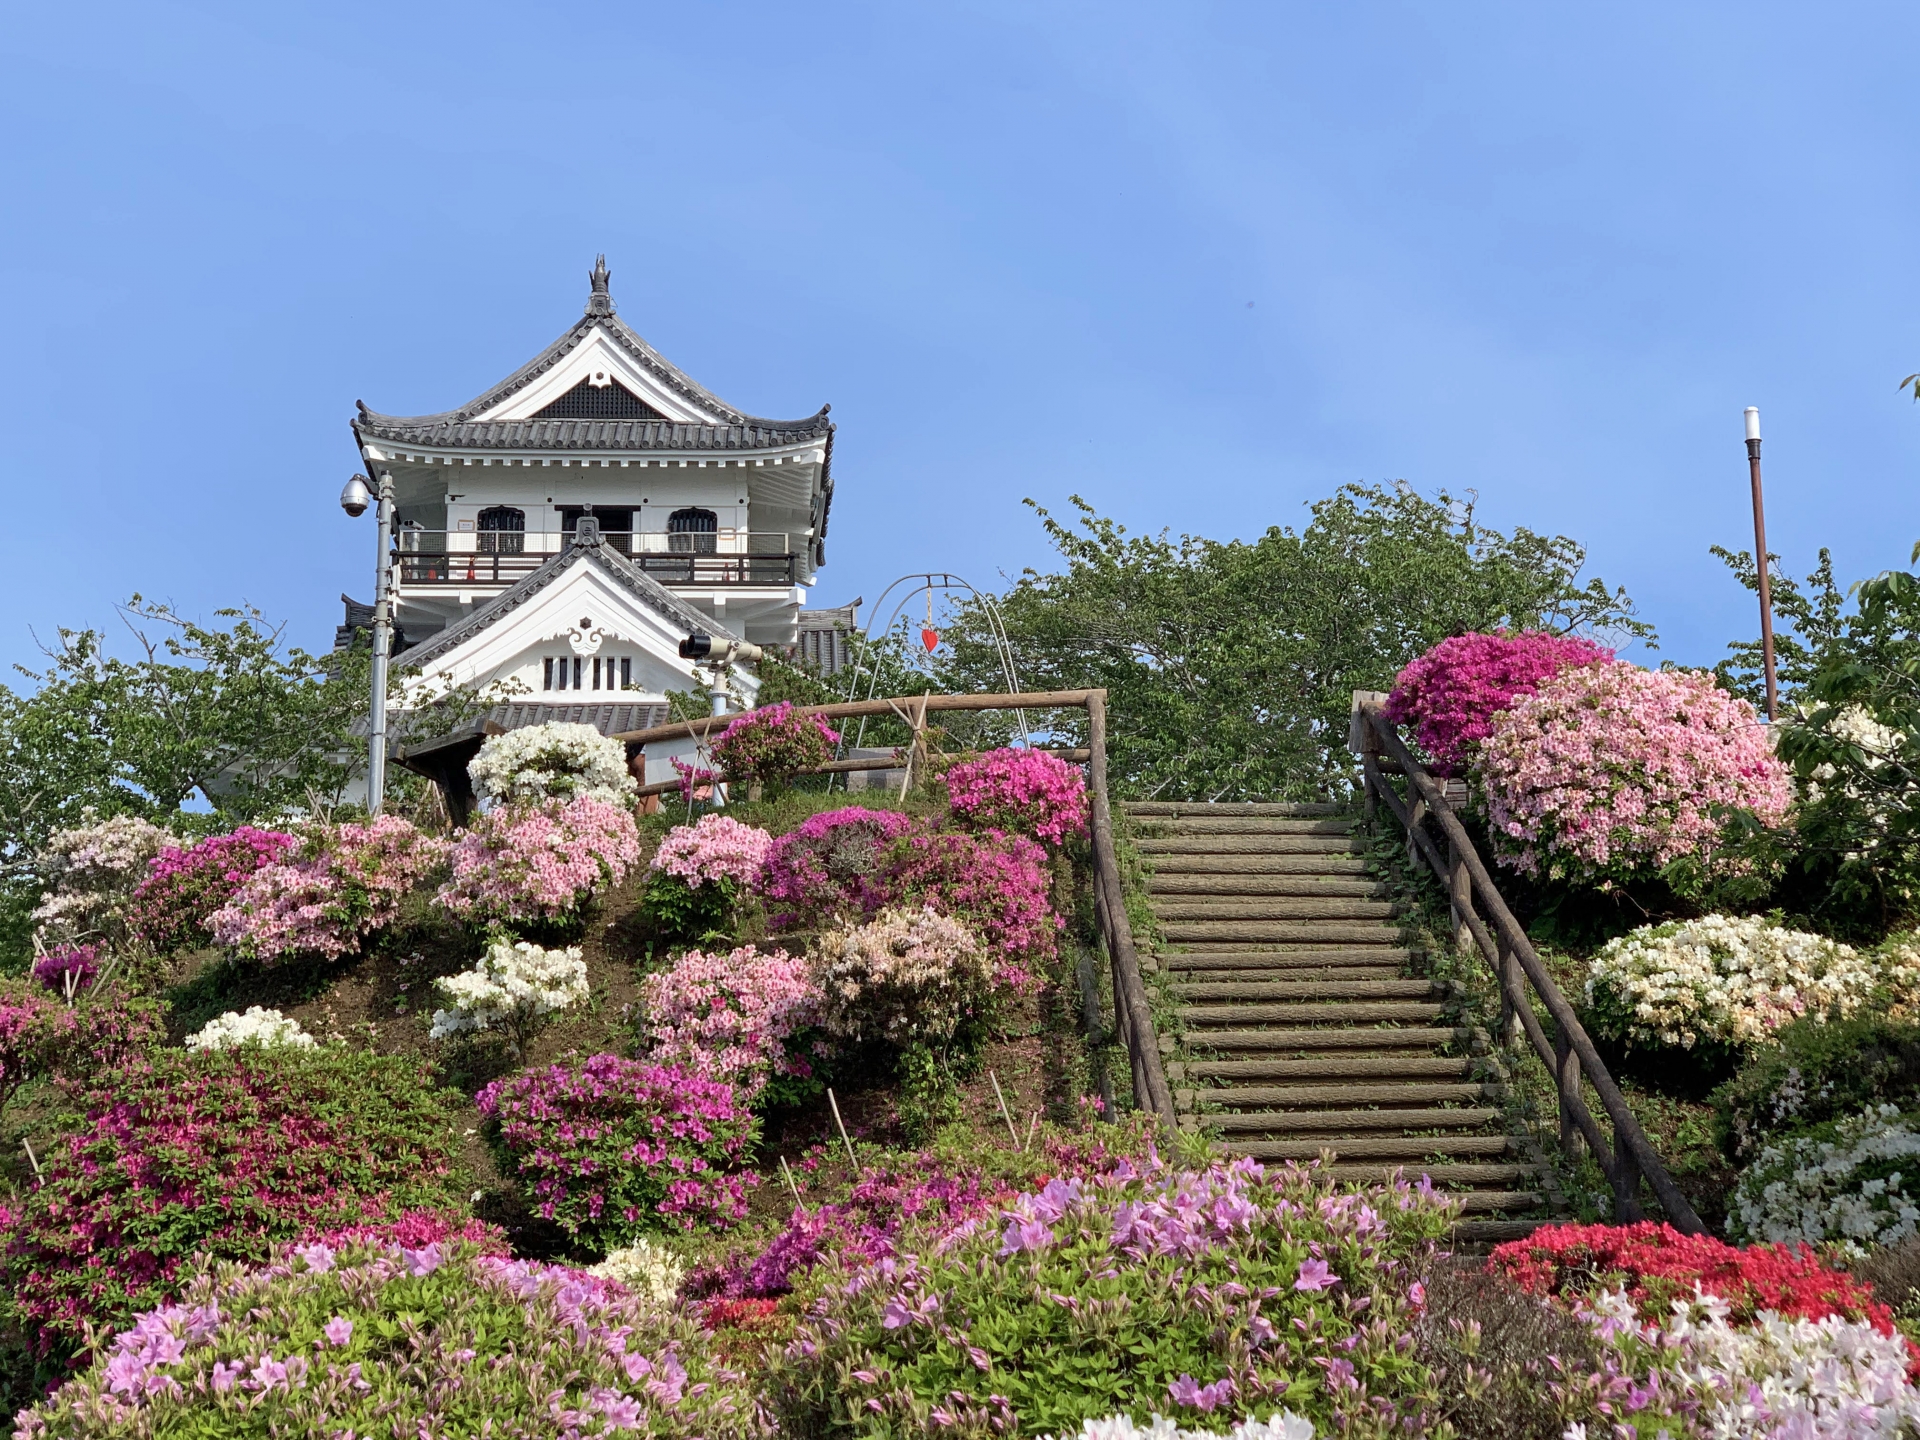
x=1025 y=792
x=999 y=884
x=42 y=1036
x=383 y=1339
x=735 y=1017
x=832 y=866
x=217 y=1154
x=326 y=895
x=186 y=885
x=771 y=745
x=612 y=1148
x=1610 y=771
x=91 y=873
x=1452 y=692
x=712 y=850
x=542 y=863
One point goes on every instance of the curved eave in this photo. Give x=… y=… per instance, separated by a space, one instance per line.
x=493 y=437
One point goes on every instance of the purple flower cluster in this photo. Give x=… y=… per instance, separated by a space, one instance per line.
x=68 y=970
x=1024 y=792
x=184 y=887
x=613 y=1148
x=1452 y=692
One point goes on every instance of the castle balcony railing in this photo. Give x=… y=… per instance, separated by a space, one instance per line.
x=467 y=559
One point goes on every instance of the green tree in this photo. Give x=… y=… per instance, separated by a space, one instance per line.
x=1230 y=666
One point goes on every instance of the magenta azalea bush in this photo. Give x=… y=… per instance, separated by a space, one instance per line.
x=42 y=1037
x=831 y=867
x=1611 y=771
x=771 y=745
x=1452 y=692
x=522 y=865
x=738 y=1017
x=999 y=884
x=611 y=1149
x=1025 y=792
x=191 y=1154
x=328 y=894
x=371 y=1339
x=186 y=885
x=68 y=970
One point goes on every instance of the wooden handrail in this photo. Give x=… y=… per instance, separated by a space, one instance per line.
x=1574 y=1057
x=1133 y=1016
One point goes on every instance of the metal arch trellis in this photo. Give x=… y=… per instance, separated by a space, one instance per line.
x=931 y=581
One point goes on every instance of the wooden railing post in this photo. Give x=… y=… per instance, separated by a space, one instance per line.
x=1566 y=1079
x=1625 y=1178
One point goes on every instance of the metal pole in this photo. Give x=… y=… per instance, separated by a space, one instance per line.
x=382 y=644
x=1760 y=560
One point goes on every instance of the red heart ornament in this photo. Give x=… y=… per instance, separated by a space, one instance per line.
x=929 y=638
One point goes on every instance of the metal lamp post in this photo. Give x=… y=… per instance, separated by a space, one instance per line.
x=353 y=500
x=1760 y=559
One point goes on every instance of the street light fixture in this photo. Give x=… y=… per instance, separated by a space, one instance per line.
x=1760 y=561
x=354 y=500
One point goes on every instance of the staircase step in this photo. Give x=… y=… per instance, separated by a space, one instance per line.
x=1318 y=1067
x=1483 y=1202
x=1246 y=845
x=1332 y=863
x=1494 y=1232
x=1347 y=1038
x=1404 y=1149
x=1311 y=887
x=1284 y=990
x=1342 y=1123
x=1278 y=932
x=1440 y=1175
x=1261 y=825
x=1294 y=957
x=1274 y=907
x=1229 y=807
x=1358 y=1012
x=1293 y=972
x=1282 y=1097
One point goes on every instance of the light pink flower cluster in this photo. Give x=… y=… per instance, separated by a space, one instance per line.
x=730 y=1017
x=343 y=883
x=1451 y=694
x=1025 y=792
x=541 y=863
x=1611 y=770
x=773 y=744
x=714 y=848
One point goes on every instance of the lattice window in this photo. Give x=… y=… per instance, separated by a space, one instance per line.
x=502 y=530
x=587 y=401
x=693 y=532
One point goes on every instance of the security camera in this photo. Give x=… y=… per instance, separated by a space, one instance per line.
x=705 y=650
x=355 y=498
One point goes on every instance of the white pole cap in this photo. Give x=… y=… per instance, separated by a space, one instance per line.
x=1753 y=422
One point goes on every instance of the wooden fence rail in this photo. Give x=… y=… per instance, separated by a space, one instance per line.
x=1133 y=1016
x=1569 y=1054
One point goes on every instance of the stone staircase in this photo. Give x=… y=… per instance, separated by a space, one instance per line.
x=1305 y=1025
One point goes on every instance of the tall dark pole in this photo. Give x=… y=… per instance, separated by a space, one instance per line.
x=1760 y=559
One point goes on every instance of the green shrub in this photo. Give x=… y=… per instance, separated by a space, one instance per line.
x=1819 y=1070
x=217 y=1154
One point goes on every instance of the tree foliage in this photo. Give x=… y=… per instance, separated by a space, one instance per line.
x=1230 y=666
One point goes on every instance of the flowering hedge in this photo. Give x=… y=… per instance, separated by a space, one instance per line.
x=511 y=988
x=831 y=866
x=611 y=1149
x=326 y=896
x=554 y=761
x=372 y=1339
x=1024 y=792
x=218 y=1154
x=700 y=871
x=771 y=745
x=43 y=1037
x=1853 y=1184
x=1610 y=771
x=92 y=871
x=1721 y=980
x=1236 y=1290
x=999 y=884
x=542 y=865
x=1452 y=692
x=738 y=1018
x=184 y=887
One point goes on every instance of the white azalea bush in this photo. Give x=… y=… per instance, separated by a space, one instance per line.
x=650 y=1271
x=1721 y=980
x=514 y=986
x=552 y=762
x=1283 y=1426
x=1853 y=1184
x=266 y=1028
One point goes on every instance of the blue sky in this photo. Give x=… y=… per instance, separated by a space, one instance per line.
x=1198 y=263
